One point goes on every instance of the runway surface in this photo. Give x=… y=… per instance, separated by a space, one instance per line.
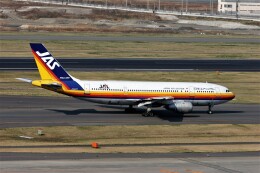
x=128 y=38
x=145 y=163
x=10 y=156
x=138 y=65
x=24 y=111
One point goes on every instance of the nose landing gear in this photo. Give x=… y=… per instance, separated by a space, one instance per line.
x=210 y=109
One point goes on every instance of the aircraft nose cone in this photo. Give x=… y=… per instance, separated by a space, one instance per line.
x=232 y=95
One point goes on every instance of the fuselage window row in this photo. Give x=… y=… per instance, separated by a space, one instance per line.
x=134 y=90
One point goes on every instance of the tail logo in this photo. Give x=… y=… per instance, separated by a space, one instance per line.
x=48 y=59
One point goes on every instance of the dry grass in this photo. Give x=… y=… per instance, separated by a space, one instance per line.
x=245 y=85
x=119 y=34
x=97 y=14
x=110 y=49
x=166 y=5
x=149 y=134
x=144 y=149
x=132 y=134
x=8 y=4
x=102 y=28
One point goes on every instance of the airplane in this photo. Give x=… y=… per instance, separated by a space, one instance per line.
x=174 y=96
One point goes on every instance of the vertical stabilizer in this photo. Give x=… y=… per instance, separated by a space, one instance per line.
x=50 y=69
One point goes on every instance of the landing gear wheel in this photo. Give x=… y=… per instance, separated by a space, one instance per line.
x=151 y=114
x=145 y=114
x=209 y=110
x=148 y=113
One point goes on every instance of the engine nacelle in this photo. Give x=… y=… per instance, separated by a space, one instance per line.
x=182 y=107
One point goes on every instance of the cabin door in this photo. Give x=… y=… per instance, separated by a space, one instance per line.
x=217 y=93
x=87 y=88
x=191 y=92
x=125 y=90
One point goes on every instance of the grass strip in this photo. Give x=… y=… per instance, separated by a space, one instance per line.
x=135 y=49
x=147 y=134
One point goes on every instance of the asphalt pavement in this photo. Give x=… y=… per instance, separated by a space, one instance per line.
x=25 y=111
x=10 y=156
x=126 y=64
x=243 y=162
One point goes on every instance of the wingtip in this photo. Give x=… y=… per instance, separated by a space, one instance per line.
x=24 y=80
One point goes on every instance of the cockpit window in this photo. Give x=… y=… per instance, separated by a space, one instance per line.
x=227 y=91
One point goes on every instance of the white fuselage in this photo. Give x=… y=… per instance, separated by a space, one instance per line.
x=129 y=92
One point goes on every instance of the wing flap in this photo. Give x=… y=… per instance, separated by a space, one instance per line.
x=153 y=100
x=144 y=103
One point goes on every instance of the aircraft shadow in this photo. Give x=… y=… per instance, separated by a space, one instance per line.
x=83 y=111
x=161 y=114
x=168 y=115
x=218 y=112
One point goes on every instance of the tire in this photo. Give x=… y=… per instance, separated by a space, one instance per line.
x=151 y=114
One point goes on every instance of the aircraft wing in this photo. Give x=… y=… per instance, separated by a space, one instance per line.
x=154 y=101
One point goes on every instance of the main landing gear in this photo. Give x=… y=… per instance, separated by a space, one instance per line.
x=210 y=109
x=148 y=113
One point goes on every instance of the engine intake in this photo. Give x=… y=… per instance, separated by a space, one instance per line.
x=182 y=107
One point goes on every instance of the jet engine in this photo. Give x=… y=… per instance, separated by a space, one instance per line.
x=182 y=107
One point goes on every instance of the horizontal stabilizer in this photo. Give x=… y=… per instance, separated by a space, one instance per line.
x=54 y=86
x=25 y=80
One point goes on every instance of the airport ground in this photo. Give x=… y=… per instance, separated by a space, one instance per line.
x=71 y=125
x=227 y=141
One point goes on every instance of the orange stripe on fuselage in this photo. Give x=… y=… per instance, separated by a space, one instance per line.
x=120 y=94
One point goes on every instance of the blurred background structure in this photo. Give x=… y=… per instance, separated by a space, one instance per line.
x=204 y=8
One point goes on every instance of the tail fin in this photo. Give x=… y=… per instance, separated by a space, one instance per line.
x=50 y=69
